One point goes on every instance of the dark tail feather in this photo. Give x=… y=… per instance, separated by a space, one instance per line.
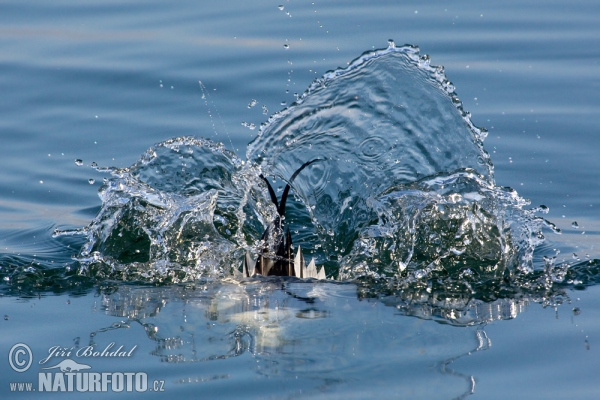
x=286 y=191
x=271 y=191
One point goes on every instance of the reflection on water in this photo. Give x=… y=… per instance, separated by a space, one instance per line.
x=283 y=336
x=295 y=329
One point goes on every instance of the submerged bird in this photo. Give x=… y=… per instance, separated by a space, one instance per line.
x=282 y=263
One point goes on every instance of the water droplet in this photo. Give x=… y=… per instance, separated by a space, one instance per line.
x=91 y=181
x=575 y=225
x=79 y=162
x=265 y=110
x=391 y=43
x=420 y=274
x=286 y=46
x=252 y=103
x=576 y=311
x=5 y=317
x=283 y=103
x=280 y=7
x=250 y=126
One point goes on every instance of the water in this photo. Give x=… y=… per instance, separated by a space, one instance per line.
x=98 y=85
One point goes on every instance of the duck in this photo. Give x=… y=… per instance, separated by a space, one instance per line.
x=284 y=263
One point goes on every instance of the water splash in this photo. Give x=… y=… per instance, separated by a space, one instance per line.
x=403 y=192
x=181 y=212
x=404 y=183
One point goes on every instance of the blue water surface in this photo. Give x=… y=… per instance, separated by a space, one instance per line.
x=102 y=82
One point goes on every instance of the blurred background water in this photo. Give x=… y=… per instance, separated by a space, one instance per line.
x=101 y=82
